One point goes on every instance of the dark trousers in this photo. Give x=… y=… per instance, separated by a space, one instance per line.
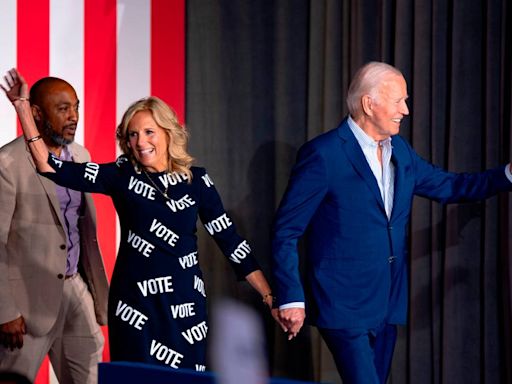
x=362 y=356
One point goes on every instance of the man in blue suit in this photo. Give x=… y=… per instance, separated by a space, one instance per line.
x=350 y=193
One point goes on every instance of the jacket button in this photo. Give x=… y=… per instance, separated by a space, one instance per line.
x=391 y=259
x=60 y=276
x=62 y=246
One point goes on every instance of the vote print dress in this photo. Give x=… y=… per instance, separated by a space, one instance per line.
x=157 y=300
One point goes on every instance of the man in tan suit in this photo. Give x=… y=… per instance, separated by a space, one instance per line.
x=53 y=286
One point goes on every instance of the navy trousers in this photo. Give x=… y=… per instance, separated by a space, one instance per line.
x=362 y=356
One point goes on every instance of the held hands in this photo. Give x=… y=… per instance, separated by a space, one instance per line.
x=11 y=333
x=293 y=320
x=290 y=319
x=16 y=87
x=268 y=299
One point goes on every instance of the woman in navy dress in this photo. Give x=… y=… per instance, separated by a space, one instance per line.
x=157 y=300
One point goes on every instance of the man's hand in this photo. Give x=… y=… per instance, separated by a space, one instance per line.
x=293 y=320
x=11 y=333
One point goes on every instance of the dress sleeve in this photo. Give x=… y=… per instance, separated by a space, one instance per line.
x=220 y=226
x=85 y=177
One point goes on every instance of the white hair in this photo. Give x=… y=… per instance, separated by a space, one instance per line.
x=366 y=81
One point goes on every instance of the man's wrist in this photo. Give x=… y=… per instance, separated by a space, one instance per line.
x=294 y=304
x=508 y=172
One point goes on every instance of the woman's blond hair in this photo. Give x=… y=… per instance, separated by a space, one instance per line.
x=179 y=159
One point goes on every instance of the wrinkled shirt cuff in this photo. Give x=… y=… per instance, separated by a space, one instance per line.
x=508 y=173
x=295 y=304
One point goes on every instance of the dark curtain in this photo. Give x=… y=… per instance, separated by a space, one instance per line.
x=264 y=76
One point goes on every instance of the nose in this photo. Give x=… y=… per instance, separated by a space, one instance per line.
x=73 y=114
x=404 y=109
x=139 y=141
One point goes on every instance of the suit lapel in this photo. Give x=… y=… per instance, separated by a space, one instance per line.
x=397 y=158
x=49 y=187
x=75 y=154
x=356 y=157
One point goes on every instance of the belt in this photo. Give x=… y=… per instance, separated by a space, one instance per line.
x=70 y=276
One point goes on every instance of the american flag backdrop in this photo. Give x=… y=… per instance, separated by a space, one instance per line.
x=113 y=52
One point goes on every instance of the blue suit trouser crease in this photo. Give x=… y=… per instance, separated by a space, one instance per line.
x=362 y=356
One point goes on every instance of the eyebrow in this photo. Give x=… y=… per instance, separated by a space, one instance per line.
x=68 y=103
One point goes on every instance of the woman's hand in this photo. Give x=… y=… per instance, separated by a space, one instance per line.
x=16 y=87
x=258 y=282
x=16 y=90
x=268 y=299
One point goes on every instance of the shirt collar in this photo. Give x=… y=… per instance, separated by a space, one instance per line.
x=65 y=153
x=362 y=137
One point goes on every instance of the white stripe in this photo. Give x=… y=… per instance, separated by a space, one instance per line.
x=67 y=49
x=133 y=52
x=67 y=60
x=8 y=42
x=53 y=377
x=133 y=57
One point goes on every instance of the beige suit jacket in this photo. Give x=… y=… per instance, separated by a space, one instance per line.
x=33 y=246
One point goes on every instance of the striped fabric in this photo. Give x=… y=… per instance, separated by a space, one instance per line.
x=113 y=52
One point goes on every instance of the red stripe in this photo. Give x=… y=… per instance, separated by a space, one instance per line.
x=168 y=53
x=100 y=109
x=33 y=44
x=43 y=376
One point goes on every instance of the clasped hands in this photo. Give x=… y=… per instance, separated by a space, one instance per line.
x=292 y=320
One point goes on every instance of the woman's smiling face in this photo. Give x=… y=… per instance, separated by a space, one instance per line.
x=149 y=142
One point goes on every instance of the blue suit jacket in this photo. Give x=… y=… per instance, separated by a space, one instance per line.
x=356 y=259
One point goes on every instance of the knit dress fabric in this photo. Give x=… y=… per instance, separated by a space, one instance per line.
x=157 y=300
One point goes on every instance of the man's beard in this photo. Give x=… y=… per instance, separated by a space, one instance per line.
x=54 y=136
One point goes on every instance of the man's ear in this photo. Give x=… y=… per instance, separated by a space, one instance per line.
x=367 y=104
x=36 y=112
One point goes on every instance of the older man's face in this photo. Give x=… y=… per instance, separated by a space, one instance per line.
x=389 y=107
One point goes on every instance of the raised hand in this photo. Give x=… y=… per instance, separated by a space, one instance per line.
x=16 y=87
